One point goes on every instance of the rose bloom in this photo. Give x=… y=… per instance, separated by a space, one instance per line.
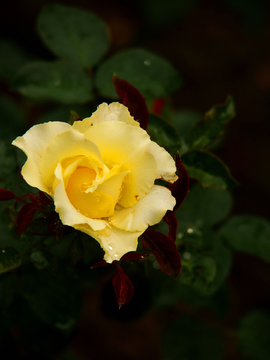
x=101 y=175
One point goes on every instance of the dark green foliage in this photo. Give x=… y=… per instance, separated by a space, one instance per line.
x=60 y=81
x=208 y=169
x=152 y=75
x=164 y=133
x=73 y=34
x=186 y=338
x=248 y=234
x=9 y=259
x=203 y=132
x=253 y=335
x=56 y=299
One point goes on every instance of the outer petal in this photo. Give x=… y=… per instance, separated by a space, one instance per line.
x=34 y=143
x=66 y=145
x=148 y=211
x=68 y=214
x=126 y=145
x=113 y=112
x=114 y=242
x=165 y=163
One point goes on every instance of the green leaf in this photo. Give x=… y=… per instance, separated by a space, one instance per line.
x=9 y=259
x=13 y=119
x=73 y=34
x=222 y=258
x=56 y=300
x=204 y=207
x=76 y=251
x=183 y=119
x=43 y=259
x=205 y=131
x=253 y=335
x=11 y=160
x=189 y=339
x=61 y=112
x=152 y=75
x=164 y=133
x=208 y=169
x=201 y=266
x=248 y=234
x=12 y=58
x=58 y=81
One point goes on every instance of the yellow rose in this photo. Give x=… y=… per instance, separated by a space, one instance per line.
x=101 y=175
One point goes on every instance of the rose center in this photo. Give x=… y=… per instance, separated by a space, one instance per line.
x=97 y=204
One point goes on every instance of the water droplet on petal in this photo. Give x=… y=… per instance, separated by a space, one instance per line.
x=111 y=246
x=116 y=255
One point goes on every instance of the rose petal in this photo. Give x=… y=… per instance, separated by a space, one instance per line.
x=148 y=211
x=34 y=143
x=68 y=214
x=67 y=145
x=105 y=113
x=126 y=145
x=114 y=242
x=113 y=185
x=165 y=164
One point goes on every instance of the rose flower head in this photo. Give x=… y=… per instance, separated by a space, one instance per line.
x=101 y=174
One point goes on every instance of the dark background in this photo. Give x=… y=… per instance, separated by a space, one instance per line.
x=219 y=48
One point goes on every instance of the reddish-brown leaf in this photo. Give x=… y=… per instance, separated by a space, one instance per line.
x=99 y=264
x=25 y=216
x=133 y=99
x=180 y=187
x=56 y=227
x=164 y=250
x=171 y=220
x=43 y=198
x=133 y=255
x=123 y=287
x=6 y=195
x=158 y=106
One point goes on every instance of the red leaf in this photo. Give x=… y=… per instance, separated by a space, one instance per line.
x=99 y=264
x=158 y=105
x=133 y=99
x=171 y=220
x=164 y=250
x=134 y=256
x=6 y=195
x=31 y=197
x=56 y=227
x=123 y=287
x=25 y=216
x=180 y=187
x=43 y=198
